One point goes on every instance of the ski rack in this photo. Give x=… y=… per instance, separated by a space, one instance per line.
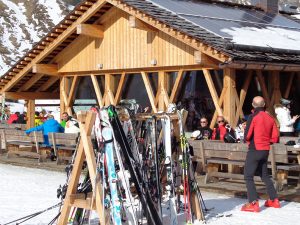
x=145 y=116
x=85 y=152
x=196 y=207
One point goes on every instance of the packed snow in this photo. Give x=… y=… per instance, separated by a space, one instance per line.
x=26 y=190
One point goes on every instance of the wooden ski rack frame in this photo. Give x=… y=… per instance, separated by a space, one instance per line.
x=85 y=152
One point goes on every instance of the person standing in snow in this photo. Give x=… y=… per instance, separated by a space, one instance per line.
x=261 y=131
x=284 y=118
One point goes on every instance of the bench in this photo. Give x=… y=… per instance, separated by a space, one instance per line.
x=63 y=145
x=19 y=143
x=285 y=139
x=214 y=154
x=4 y=126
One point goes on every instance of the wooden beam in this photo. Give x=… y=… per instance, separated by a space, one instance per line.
x=30 y=113
x=72 y=91
x=220 y=103
x=138 y=24
x=212 y=91
x=97 y=90
x=49 y=69
x=149 y=91
x=119 y=89
x=85 y=151
x=85 y=134
x=176 y=86
x=202 y=58
x=31 y=95
x=243 y=94
x=35 y=78
x=48 y=84
x=90 y=30
x=53 y=45
x=61 y=97
x=289 y=85
x=264 y=89
x=229 y=101
x=109 y=87
x=162 y=100
x=275 y=82
x=64 y=91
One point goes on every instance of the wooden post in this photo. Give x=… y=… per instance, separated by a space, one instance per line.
x=61 y=96
x=163 y=85
x=149 y=91
x=109 y=88
x=229 y=100
x=289 y=85
x=212 y=91
x=30 y=113
x=275 y=83
x=243 y=95
x=176 y=86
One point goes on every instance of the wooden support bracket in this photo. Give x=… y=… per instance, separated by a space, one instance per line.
x=138 y=24
x=49 y=69
x=90 y=30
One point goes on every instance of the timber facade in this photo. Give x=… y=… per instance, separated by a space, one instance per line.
x=106 y=41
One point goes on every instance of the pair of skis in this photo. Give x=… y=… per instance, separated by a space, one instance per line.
x=105 y=136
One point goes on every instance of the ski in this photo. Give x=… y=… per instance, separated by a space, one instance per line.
x=112 y=176
x=166 y=124
x=145 y=198
x=185 y=173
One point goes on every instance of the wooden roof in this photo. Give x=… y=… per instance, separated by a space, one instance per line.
x=19 y=77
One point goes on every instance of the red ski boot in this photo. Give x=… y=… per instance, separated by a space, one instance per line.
x=272 y=203
x=251 y=207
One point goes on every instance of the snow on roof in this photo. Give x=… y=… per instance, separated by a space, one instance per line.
x=250 y=27
x=265 y=37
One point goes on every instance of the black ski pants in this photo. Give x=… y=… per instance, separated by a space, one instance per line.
x=257 y=164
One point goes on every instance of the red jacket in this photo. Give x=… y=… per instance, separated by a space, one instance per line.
x=261 y=130
x=12 y=118
x=219 y=133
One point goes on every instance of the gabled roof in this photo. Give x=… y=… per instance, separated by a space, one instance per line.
x=217 y=25
x=223 y=26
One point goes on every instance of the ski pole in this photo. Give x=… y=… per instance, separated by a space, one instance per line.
x=34 y=214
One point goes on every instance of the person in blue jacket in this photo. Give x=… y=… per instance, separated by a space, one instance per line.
x=50 y=125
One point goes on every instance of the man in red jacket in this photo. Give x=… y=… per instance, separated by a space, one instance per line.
x=260 y=133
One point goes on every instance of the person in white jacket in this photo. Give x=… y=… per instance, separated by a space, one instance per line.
x=283 y=114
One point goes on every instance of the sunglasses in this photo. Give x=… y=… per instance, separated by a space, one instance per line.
x=203 y=122
x=221 y=121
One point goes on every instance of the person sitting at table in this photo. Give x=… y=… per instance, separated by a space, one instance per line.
x=222 y=129
x=283 y=115
x=240 y=130
x=50 y=125
x=205 y=132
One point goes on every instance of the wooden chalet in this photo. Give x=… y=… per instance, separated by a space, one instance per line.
x=108 y=41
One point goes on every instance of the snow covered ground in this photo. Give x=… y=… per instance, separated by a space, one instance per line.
x=24 y=191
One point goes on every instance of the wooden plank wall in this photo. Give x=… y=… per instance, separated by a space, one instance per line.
x=123 y=47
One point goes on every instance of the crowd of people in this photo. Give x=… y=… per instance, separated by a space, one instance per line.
x=288 y=126
x=259 y=130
